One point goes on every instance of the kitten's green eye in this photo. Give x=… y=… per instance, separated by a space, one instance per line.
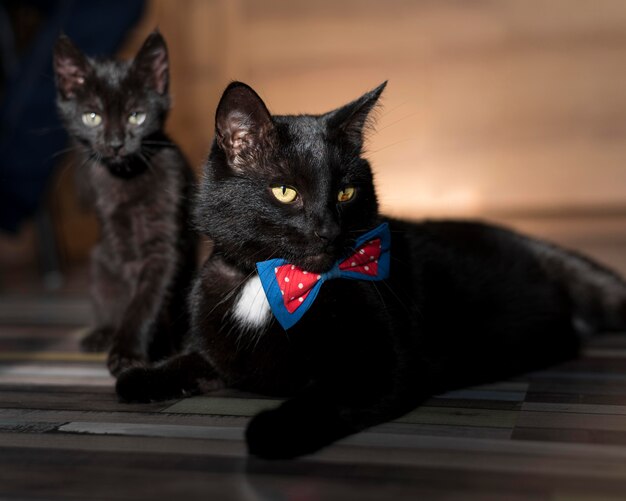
x=91 y=119
x=284 y=194
x=136 y=118
x=346 y=194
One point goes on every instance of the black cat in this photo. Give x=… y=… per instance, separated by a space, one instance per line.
x=464 y=302
x=141 y=185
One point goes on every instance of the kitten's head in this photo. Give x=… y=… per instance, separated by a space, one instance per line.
x=111 y=106
x=291 y=187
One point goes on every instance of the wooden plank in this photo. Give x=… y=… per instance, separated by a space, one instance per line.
x=113 y=443
x=44 y=374
x=422 y=415
x=569 y=420
x=464 y=417
x=222 y=406
x=110 y=416
x=475 y=394
x=50 y=356
x=153 y=430
x=574 y=408
x=590 y=435
x=576 y=398
x=85 y=400
x=460 y=403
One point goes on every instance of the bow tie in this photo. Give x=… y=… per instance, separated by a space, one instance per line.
x=290 y=290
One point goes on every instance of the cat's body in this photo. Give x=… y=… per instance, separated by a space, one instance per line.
x=464 y=302
x=141 y=188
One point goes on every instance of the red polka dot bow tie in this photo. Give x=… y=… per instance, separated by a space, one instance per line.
x=291 y=290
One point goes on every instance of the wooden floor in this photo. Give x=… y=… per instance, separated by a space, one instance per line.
x=558 y=434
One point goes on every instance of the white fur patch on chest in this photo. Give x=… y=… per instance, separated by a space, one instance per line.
x=251 y=308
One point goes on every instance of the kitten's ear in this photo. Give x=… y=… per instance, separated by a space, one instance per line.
x=351 y=119
x=152 y=62
x=70 y=67
x=243 y=125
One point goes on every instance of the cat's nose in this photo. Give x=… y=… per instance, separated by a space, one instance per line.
x=116 y=146
x=327 y=232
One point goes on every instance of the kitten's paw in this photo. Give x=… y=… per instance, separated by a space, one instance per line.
x=286 y=432
x=120 y=360
x=98 y=339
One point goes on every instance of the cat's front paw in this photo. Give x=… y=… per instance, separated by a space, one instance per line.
x=268 y=436
x=120 y=359
x=158 y=383
x=291 y=431
x=97 y=339
x=134 y=385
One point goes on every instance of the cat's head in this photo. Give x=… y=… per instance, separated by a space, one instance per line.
x=110 y=107
x=292 y=187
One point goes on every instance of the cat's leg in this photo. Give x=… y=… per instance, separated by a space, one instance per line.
x=109 y=295
x=97 y=339
x=314 y=419
x=134 y=333
x=299 y=426
x=179 y=376
x=362 y=374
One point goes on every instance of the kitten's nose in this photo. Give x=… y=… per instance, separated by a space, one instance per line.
x=116 y=146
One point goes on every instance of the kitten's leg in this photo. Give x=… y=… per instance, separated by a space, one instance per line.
x=131 y=340
x=180 y=376
x=109 y=295
x=97 y=339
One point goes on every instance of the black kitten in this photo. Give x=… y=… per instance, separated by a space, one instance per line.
x=141 y=185
x=464 y=303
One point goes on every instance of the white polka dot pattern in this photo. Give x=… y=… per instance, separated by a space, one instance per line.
x=296 y=284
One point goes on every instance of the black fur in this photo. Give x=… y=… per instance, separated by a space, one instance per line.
x=141 y=186
x=465 y=302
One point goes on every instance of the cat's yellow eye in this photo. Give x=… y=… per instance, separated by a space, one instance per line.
x=136 y=118
x=284 y=194
x=346 y=194
x=91 y=119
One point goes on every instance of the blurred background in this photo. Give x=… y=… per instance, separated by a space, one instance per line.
x=506 y=110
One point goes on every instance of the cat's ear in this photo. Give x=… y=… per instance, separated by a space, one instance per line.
x=351 y=120
x=243 y=125
x=70 y=67
x=152 y=62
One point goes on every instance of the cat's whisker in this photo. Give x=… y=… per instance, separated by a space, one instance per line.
x=148 y=151
x=406 y=117
x=228 y=294
x=382 y=300
x=68 y=167
x=146 y=162
x=243 y=330
x=66 y=150
x=400 y=301
x=401 y=261
x=81 y=152
x=247 y=277
x=390 y=145
x=389 y=111
x=60 y=177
